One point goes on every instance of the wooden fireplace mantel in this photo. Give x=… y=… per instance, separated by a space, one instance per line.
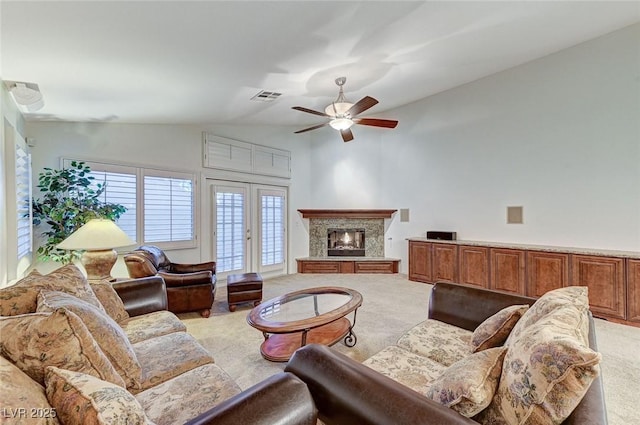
x=308 y=213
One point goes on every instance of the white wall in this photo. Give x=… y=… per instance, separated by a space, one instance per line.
x=173 y=147
x=559 y=136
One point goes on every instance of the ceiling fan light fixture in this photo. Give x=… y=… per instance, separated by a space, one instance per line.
x=340 y=123
x=338 y=109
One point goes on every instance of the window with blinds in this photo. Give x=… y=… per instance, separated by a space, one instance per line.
x=119 y=188
x=272 y=228
x=168 y=209
x=160 y=204
x=23 y=198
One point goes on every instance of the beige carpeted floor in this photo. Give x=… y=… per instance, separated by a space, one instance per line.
x=392 y=305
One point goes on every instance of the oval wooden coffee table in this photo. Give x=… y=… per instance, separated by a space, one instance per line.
x=313 y=315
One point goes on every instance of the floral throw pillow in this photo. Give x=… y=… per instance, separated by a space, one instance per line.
x=571 y=296
x=110 y=300
x=21 y=392
x=84 y=399
x=547 y=370
x=21 y=298
x=468 y=385
x=494 y=331
x=108 y=334
x=37 y=340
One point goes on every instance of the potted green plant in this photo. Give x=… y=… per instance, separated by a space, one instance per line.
x=70 y=198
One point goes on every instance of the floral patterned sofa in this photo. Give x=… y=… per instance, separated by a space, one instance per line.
x=76 y=353
x=482 y=356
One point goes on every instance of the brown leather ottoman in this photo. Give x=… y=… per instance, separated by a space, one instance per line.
x=244 y=288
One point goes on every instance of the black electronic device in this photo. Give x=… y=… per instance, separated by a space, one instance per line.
x=440 y=235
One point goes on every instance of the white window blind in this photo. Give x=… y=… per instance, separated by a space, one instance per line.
x=272 y=229
x=168 y=209
x=120 y=188
x=23 y=198
x=230 y=231
x=160 y=204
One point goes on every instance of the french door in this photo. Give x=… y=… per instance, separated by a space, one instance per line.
x=249 y=227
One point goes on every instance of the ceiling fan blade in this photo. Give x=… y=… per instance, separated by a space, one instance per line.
x=361 y=106
x=311 y=128
x=376 y=122
x=347 y=135
x=309 y=111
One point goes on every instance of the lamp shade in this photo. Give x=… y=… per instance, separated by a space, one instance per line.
x=341 y=123
x=97 y=234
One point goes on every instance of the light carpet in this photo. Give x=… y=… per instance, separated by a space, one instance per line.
x=391 y=305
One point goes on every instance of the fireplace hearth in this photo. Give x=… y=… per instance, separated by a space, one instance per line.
x=345 y=243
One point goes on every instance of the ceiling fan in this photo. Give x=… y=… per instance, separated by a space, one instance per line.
x=343 y=114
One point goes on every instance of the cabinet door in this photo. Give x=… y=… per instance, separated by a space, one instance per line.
x=507 y=270
x=546 y=271
x=445 y=262
x=420 y=261
x=474 y=265
x=604 y=276
x=633 y=290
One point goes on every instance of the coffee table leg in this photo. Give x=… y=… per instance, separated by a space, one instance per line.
x=351 y=339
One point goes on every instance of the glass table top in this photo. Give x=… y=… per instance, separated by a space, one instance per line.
x=304 y=309
x=303 y=306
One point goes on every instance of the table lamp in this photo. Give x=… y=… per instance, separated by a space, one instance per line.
x=98 y=238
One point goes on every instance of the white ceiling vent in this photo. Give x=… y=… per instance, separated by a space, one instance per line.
x=266 y=96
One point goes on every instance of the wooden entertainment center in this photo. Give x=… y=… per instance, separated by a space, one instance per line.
x=613 y=277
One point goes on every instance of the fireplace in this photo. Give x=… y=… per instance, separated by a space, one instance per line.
x=345 y=243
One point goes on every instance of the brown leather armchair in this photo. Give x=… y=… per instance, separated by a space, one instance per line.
x=190 y=287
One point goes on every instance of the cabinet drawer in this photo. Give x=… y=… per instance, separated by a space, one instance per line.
x=374 y=267
x=320 y=267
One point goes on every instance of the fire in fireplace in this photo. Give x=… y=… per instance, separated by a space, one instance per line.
x=345 y=242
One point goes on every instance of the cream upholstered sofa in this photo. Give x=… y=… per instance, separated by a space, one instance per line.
x=73 y=354
x=482 y=356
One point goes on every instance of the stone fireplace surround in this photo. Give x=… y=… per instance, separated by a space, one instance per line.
x=372 y=221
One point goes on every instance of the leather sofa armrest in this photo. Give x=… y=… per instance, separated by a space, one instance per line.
x=592 y=409
x=281 y=399
x=138 y=265
x=143 y=295
x=188 y=268
x=347 y=392
x=467 y=306
x=186 y=279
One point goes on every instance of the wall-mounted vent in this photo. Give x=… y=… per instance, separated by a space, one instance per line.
x=266 y=96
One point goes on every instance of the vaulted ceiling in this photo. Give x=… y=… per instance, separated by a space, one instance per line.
x=202 y=61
